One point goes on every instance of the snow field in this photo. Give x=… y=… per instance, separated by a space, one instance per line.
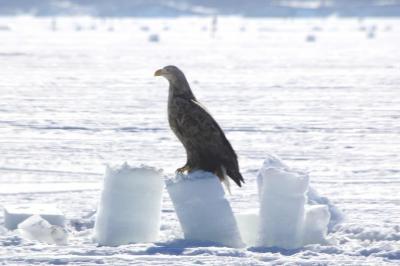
x=76 y=100
x=130 y=206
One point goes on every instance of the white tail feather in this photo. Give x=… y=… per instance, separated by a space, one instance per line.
x=225 y=181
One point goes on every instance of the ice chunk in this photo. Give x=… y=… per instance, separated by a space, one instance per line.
x=202 y=209
x=336 y=215
x=130 y=206
x=248 y=226
x=315 y=224
x=37 y=228
x=15 y=214
x=313 y=231
x=285 y=219
x=271 y=162
x=282 y=203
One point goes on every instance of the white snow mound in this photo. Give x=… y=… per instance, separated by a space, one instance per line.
x=37 y=228
x=130 y=206
x=15 y=214
x=202 y=209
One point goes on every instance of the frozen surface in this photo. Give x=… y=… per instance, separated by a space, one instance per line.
x=130 y=206
x=72 y=101
x=15 y=214
x=203 y=210
x=37 y=228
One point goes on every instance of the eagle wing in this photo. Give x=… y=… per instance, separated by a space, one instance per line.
x=199 y=131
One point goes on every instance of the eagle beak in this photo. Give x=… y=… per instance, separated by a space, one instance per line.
x=158 y=72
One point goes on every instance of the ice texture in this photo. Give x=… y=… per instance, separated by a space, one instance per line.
x=37 y=228
x=130 y=206
x=286 y=221
x=202 y=209
x=282 y=208
x=248 y=226
x=15 y=214
x=271 y=162
x=336 y=215
x=315 y=224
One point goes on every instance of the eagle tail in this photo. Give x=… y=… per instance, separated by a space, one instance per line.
x=223 y=174
x=236 y=176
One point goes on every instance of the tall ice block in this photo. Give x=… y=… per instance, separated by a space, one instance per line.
x=282 y=201
x=130 y=206
x=202 y=209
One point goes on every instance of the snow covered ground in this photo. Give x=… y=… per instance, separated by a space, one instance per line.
x=78 y=93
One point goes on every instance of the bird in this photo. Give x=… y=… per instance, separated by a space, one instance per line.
x=206 y=145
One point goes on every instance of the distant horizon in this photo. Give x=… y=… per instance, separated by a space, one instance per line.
x=158 y=8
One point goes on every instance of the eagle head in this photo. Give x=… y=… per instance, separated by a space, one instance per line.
x=178 y=84
x=173 y=74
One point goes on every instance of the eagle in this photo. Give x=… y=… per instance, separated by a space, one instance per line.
x=206 y=145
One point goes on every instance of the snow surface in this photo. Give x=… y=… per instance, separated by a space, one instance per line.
x=130 y=206
x=203 y=210
x=73 y=101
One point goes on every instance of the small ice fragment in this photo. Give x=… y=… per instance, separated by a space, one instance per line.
x=15 y=214
x=37 y=228
x=315 y=224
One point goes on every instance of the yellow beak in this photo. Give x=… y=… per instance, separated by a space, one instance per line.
x=158 y=72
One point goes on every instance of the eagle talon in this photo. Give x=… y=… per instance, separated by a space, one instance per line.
x=182 y=169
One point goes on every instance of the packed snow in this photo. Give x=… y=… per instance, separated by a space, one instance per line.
x=76 y=100
x=130 y=206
